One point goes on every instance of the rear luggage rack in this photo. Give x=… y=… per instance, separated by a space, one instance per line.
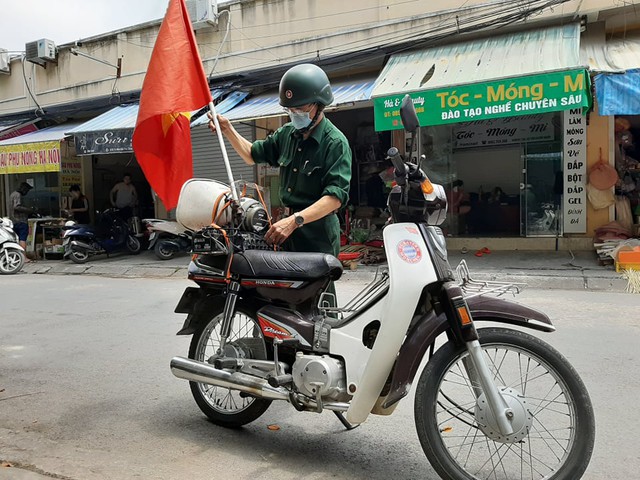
x=476 y=288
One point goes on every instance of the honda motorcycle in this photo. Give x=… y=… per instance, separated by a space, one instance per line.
x=111 y=234
x=491 y=403
x=12 y=255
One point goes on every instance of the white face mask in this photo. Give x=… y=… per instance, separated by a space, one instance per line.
x=300 y=120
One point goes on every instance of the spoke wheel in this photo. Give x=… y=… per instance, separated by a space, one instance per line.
x=225 y=406
x=11 y=261
x=542 y=388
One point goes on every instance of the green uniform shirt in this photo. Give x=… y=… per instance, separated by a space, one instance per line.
x=309 y=170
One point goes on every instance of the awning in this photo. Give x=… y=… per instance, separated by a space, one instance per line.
x=267 y=105
x=223 y=107
x=17 y=129
x=112 y=131
x=520 y=73
x=33 y=152
x=618 y=61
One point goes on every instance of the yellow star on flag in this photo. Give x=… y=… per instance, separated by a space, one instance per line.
x=169 y=118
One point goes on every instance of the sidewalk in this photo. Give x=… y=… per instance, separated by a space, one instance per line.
x=547 y=270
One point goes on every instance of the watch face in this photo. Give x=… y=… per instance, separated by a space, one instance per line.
x=299 y=220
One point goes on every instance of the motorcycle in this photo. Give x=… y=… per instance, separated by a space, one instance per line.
x=491 y=402
x=166 y=238
x=111 y=234
x=12 y=255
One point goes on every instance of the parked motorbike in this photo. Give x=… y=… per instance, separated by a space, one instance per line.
x=490 y=403
x=111 y=234
x=12 y=255
x=166 y=238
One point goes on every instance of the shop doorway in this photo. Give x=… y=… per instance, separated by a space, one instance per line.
x=541 y=195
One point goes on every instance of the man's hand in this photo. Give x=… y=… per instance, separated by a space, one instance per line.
x=225 y=125
x=281 y=230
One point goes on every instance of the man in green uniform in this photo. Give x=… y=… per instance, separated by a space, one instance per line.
x=314 y=160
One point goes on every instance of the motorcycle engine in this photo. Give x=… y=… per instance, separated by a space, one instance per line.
x=255 y=218
x=313 y=371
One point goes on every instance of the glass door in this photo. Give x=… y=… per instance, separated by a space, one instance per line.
x=541 y=194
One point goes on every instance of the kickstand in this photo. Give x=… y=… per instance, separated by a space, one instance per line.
x=344 y=421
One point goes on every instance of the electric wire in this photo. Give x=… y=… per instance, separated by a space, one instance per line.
x=224 y=39
x=39 y=110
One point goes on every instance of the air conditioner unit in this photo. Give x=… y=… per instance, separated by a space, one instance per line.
x=5 y=63
x=203 y=13
x=41 y=51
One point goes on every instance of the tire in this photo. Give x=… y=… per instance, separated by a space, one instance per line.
x=133 y=245
x=11 y=261
x=204 y=344
x=447 y=422
x=163 y=253
x=78 y=255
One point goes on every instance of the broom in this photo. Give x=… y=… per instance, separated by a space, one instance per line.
x=633 y=280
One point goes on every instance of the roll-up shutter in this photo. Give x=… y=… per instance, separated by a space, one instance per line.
x=207 y=156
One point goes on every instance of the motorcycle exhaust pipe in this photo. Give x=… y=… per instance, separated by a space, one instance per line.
x=82 y=245
x=202 y=372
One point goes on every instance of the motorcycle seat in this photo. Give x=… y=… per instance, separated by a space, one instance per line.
x=266 y=264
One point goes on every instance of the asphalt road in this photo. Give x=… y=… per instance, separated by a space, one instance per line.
x=86 y=392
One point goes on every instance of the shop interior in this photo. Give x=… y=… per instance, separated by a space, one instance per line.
x=627 y=163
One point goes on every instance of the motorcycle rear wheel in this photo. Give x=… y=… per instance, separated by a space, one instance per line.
x=559 y=441
x=78 y=255
x=223 y=406
x=11 y=261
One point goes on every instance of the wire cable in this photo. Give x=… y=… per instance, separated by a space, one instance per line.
x=224 y=39
x=39 y=110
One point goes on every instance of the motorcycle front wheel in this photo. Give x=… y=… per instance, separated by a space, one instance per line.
x=550 y=402
x=11 y=261
x=133 y=245
x=223 y=406
x=162 y=251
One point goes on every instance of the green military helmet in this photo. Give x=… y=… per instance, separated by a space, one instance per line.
x=305 y=84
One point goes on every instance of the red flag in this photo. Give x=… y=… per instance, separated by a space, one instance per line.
x=174 y=86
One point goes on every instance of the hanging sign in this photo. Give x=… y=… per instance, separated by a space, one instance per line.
x=575 y=171
x=71 y=173
x=502 y=131
x=30 y=157
x=111 y=141
x=548 y=92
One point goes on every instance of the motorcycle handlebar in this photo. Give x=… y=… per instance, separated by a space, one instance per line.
x=393 y=154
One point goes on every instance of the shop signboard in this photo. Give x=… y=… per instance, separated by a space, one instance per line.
x=575 y=171
x=532 y=94
x=30 y=157
x=503 y=131
x=17 y=132
x=111 y=141
x=71 y=173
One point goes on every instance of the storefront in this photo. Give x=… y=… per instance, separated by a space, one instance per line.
x=508 y=142
x=46 y=160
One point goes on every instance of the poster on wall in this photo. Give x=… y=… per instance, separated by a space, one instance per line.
x=504 y=131
x=575 y=171
x=70 y=173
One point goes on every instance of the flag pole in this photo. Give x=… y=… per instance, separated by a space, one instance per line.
x=234 y=192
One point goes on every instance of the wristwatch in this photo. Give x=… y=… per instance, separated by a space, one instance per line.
x=299 y=219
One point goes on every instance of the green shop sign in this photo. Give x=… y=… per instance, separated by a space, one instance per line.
x=528 y=95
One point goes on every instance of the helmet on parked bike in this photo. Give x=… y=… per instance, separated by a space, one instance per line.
x=305 y=84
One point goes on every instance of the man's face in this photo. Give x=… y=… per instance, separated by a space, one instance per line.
x=127 y=180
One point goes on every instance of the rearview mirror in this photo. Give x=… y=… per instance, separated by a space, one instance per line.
x=408 y=115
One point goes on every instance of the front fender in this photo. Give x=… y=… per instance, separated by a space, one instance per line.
x=15 y=245
x=425 y=332
x=196 y=302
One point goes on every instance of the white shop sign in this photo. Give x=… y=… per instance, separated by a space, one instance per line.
x=575 y=171
x=503 y=131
